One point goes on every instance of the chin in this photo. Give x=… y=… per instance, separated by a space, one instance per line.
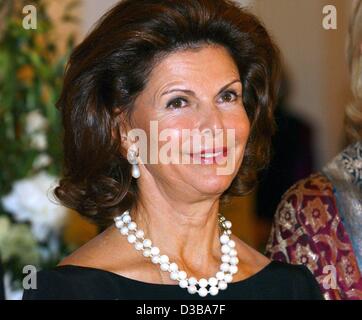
x=212 y=184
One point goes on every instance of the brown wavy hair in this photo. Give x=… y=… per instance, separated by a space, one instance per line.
x=107 y=71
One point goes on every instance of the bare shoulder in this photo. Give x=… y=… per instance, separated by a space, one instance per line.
x=100 y=252
x=86 y=254
x=110 y=252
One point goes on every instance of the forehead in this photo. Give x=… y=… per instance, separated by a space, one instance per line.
x=210 y=62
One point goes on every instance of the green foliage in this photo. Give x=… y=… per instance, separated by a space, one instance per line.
x=31 y=71
x=32 y=64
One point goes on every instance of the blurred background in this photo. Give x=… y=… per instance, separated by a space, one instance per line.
x=34 y=230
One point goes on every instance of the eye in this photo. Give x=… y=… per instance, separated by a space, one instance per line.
x=176 y=103
x=229 y=96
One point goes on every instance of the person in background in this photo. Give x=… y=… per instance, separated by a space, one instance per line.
x=319 y=220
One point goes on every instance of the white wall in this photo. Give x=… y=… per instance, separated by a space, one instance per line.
x=93 y=10
x=315 y=59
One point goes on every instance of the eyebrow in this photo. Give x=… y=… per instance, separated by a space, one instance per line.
x=193 y=93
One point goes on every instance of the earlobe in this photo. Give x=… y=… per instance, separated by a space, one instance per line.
x=121 y=127
x=132 y=155
x=124 y=146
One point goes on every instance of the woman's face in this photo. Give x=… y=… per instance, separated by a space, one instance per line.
x=194 y=96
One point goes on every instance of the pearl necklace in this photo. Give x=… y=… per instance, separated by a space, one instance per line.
x=228 y=266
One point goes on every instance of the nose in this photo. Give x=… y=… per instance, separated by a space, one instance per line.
x=211 y=119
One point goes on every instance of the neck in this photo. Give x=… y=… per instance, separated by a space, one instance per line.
x=178 y=227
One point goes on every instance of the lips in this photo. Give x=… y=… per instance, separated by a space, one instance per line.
x=210 y=156
x=213 y=152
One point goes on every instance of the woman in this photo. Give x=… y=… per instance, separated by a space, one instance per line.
x=318 y=222
x=185 y=65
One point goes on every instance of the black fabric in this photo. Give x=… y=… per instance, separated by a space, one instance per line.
x=277 y=280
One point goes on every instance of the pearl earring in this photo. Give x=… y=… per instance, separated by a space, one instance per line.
x=132 y=159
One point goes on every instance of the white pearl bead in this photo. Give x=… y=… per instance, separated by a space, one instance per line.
x=164 y=259
x=173 y=266
x=182 y=275
x=155 y=259
x=126 y=218
x=228 y=278
x=192 y=281
x=183 y=283
x=224 y=239
x=155 y=251
x=225 y=258
x=222 y=285
x=140 y=234
x=131 y=238
x=219 y=282
x=213 y=281
x=233 y=253
x=231 y=243
x=192 y=289
x=227 y=224
x=132 y=225
x=119 y=224
x=147 y=243
x=147 y=253
x=164 y=266
x=220 y=275
x=136 y=173
x=224 y=267
x=138 y=246
x=225 y=249
x=203 y=292
x=233 y=269
x=203 y=283
x=174 y=275
x=213 y=291
x=124 y=231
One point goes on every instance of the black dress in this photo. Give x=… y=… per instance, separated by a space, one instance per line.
x=277 y=280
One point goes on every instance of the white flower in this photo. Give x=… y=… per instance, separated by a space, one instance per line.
x=11 y=293
x=38 y=141
x=41 y=161
x=35 y=126
x=35 y=121
x=28 y=201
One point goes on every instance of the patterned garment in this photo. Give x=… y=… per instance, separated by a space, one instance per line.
x=318 y=224
x=345 y=174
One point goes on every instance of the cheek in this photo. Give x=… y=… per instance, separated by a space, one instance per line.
x=239 y=121
x=175 y=126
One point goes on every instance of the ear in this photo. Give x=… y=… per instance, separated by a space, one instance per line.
x=120 y=130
